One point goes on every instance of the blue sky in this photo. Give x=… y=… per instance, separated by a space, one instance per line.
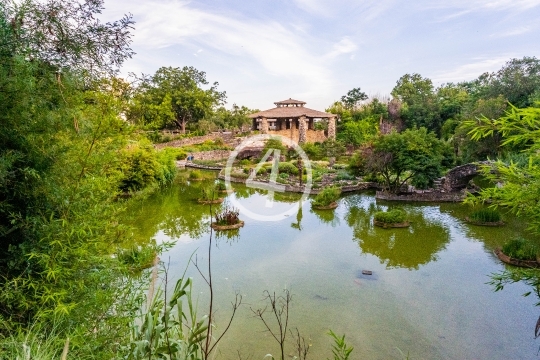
x=317 y=50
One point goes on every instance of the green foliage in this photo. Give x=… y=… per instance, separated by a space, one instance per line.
x=274 y=143
x=169 y=328
x=142 y=166
x=414 y=155
x=485 y=215
x=340 y=349
x=420 y=104
x=173 y=96
x=209 y=193
x=395 y=216
x=521 y=180
x=521 y=249
x=344 y=175
x=353 y=98
x=327 y=196
x=220 y=186
x=288 y=168
x=312 y=150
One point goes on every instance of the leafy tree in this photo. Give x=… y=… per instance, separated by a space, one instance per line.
x=520 y=190
x=420 y=106
x=353 y=98
x=67 y=35
x=518 y=81
x=416 y=155
x=174 y=96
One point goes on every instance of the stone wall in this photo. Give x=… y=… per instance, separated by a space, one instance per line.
x=294 y=135
x=434 y=196
x=212 y=155
x=227 y=138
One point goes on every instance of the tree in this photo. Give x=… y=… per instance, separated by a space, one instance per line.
x=420 y=106
x=353 y=98
x=67 y=35
x=518 y=81
x=174 y=96
x=416 y=155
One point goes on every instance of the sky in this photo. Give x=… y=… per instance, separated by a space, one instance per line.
x=262 y=51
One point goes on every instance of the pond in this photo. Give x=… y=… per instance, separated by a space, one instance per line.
x=427 y=296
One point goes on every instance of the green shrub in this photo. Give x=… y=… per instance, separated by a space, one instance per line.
x=283 y=176
x=289 y=168
x=244 y=162
x=313 y=151
x=274 y=143
x=239 y=175
x=485 y=215
x=143 y=166
x=521 y=249
x=395 y=216
x=344 y=175
x=208 y=193
x=327 y=196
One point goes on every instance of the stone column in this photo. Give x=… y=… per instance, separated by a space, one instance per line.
x=332 y=127
x=302 y=129
x=264 y=125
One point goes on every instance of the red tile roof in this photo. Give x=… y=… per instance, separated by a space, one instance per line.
x=290 y=112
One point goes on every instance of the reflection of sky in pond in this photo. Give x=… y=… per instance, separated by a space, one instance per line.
x=428 y=296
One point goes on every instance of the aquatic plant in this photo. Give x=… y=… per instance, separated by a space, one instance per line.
x=520 y=248
x=227 y=216
x=327 y=196
x=485 y=215
x=220 y=186
x=395 y=216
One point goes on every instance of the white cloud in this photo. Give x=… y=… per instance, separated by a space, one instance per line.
x=471 y=70
x=344 y=46
x=278 y=50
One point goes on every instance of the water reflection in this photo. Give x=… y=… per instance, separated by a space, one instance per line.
x=397 y=248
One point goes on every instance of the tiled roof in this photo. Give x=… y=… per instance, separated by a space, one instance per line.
x=290 y=112
x=289 y=101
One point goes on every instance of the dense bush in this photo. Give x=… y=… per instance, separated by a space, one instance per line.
x=327 y=196
x=287 y=167
x=313 y=150
x=142 y=166
x=521 y=249
x=395 y=216
x=344 y=175
x=485 y=215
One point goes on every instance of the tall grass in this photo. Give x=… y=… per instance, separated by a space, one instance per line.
x=327 y=196
x=521 y=249
x=395 y=216
x=485 y=215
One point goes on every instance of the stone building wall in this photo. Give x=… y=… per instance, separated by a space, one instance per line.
x=293 y=134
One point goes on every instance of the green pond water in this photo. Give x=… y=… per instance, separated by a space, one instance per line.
x=427 y=296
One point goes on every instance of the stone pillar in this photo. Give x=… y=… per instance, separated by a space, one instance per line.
x=264 y=126
x=332 y=127
x=302 y=129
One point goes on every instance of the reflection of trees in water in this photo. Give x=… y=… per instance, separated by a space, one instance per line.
x=174 y=211
x=327 y=216
x=299 y=216
x=399 y=248
x=227 y=236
